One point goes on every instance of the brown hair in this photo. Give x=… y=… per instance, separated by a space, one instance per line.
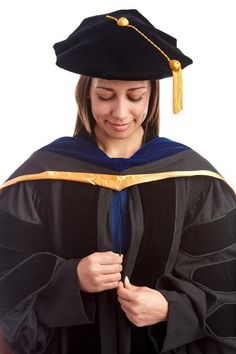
x=85 y=117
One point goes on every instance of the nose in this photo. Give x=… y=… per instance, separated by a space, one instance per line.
x=120 y=110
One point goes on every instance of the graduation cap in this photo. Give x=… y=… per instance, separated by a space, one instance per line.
x=123 y=45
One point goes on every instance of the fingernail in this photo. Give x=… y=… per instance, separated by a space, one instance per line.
x=127 y=279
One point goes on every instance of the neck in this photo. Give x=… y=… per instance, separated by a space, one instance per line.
x=119 y=148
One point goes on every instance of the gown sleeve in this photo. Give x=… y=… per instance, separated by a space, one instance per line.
x=201 y=290
x=39 y=289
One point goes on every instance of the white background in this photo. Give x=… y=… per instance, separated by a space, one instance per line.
x=37 y=98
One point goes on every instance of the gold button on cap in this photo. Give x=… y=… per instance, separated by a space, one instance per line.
x=174 y=65
x=123 y=21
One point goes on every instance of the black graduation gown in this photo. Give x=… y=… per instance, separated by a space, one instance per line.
x=55 y=209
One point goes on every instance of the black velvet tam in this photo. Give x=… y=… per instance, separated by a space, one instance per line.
x=100 y=47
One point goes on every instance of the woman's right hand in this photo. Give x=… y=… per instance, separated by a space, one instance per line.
x=99 y=271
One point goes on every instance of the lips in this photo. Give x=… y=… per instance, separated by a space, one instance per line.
x=119 y=127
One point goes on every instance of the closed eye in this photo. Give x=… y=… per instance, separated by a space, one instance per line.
x=130 y=98
x=135 y=99
x=104 y=98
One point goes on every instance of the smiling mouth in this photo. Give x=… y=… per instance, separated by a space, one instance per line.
x=119 y=127
x=119 y=124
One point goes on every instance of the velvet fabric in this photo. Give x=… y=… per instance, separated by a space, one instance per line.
x=101 y=48
x=82 y=149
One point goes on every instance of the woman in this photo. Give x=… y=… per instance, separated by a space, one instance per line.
x=116 y=240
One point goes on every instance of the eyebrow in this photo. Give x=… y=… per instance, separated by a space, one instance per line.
x=130 y=89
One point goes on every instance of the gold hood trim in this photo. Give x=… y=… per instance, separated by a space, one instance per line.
x=115 y=182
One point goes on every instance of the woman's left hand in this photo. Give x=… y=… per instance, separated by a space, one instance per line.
x=142 y=305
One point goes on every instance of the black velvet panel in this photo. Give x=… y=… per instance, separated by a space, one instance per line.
x=24 y=236
x=158 y=203
x=223 y=321
x=12 y=291
x=207 y=238
x=231 y=217
x=79 y=219
x=218 y=277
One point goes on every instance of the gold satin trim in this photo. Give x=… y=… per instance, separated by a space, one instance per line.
x=115 y=182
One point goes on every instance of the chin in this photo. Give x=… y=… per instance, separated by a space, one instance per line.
x=120 y=135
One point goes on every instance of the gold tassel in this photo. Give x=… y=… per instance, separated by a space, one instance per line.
x=175 y=66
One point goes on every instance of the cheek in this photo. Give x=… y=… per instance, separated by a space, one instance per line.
x=141 y=112
x=99 y=111
x=145 y=109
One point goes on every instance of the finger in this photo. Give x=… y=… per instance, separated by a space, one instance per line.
x=110 y=258
x=108 y=286
x=111 y=278
x=127 y=312
x=110 y=268
x=125 y=294
x=125 y=303
x=112 y=253
x=121 y=285
x=120 y=255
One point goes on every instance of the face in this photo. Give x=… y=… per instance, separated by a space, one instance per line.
x=119 y=107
